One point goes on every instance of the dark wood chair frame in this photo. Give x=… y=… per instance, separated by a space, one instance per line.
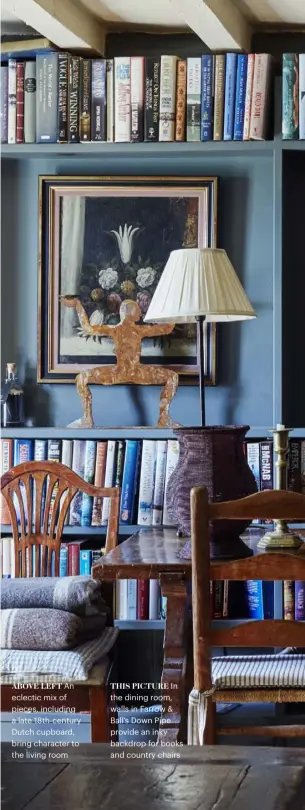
x=55 y=485
x=274 y=565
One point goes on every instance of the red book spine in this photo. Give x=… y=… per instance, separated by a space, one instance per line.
x=143 y=599
x=73 y=560
x=20 y=103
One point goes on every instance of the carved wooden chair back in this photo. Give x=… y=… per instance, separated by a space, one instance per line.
x=38 y=495
x=282 y=565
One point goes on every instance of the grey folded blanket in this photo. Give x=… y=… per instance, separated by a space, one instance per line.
x=47 y=629
x=80 y=595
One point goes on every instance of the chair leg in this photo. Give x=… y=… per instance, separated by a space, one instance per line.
x=210 y=727
x=98 y=697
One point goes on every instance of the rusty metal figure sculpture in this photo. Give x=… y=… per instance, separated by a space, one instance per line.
x=127 y=337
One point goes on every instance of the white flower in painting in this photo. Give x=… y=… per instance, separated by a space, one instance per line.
x=107 y=278
x=146 y=276
x=97 y=318
x=124 y=237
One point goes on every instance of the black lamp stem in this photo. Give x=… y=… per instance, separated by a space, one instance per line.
x=200 y=321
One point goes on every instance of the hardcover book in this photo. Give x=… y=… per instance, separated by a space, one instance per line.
x=12 y=101
x=122 y=112
x=302 y=96
x=207 y=96
x=20 y=102
x=73 y=99
x=167 y=109
x=248 y=98
x=85 y=101
x=219 y=93
x=30 y=102
x=181 y=101
x=78 y=466
x=137 y=98
x=151 y=98
x=130 y=475
x=260 y=96
x=193 y=98
x=109 y=101
x=230 y=92
x=46 y=97
x=290 y=97
x=240 y=98
x=98 y=100
x=147 y=480
x=63 y=86
x=89 y=472
x=99 y=479
x=4 y=102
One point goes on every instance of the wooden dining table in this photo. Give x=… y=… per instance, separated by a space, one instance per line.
x=209 y=778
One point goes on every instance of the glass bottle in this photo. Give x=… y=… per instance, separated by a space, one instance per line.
x=12 y=399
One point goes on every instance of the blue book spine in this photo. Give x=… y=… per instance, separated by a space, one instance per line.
x=23 y=451
x=229 y=104
x=63 y=560
x=240 y=96
x=129 y=482
x=268 y=599
x=254 y=590
x=299 y=600
x=207 y=75
x=89 y=472
x=85 y=562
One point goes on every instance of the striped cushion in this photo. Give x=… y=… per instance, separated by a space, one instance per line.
x=96 y=677
x=240 y=671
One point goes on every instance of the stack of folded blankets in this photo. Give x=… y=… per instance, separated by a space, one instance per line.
x=53 y=628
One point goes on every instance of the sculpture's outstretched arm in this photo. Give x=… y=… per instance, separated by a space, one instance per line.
x=153 y=330
x=72 y=301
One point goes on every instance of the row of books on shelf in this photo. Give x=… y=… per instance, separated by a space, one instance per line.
x=293 y=96
x=141 y=468
x=255 y=599
x=59 y=97
x=260 y=459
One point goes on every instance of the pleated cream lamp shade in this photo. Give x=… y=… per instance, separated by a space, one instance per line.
x=198 y=283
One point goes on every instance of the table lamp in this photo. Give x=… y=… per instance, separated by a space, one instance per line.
x=199 y=285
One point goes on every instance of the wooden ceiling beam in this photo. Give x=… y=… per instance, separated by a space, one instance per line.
x=63 y=22
x=219 y=23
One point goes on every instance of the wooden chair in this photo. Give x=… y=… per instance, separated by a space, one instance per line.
x=43 y=491
x=274 y=679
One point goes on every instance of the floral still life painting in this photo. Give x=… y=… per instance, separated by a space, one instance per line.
x=107 y=240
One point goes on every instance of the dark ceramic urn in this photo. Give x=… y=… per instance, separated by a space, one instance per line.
x=212 y=457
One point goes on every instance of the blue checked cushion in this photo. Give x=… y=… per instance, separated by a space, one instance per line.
x=259 y=671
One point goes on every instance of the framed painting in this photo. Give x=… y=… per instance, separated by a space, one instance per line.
x=107 y=239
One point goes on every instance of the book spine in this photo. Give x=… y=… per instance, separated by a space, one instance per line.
x=137 y=98
x=193 y=98
x=302 y=96
x=154 y=599
x=131 y=599
x=85 y=101
x=299 y=601
x=147 y=478
x=167 y=108
x=99 y=478
x=240 y=97
x=294 y=467
x=20 y=102
x=268 y=600
x=229 y=100
x=225 y=606
x=119 y=464
x=207 y=93
x=78 y=466
x=12 y=101
x=6 y=462
x=30 y=102
x=85 y=562
x=181 y=100
x=289 y=599
x=290 y=96
x=158 y=496
x=54 y=454
x=248 y=97
x=163 y=607
x=260 y=96
x=89 y=472
x=254 y=591
x=219 y=95
x=40 y=449
x=151 y=98
x=143 y=599
x=253 y=459
x=7 y=549
x=217 y=592
x=266 y=465
x=62 y=94
x=46 y=98
x=109 y=476
x=73 y=559
x=4 y=103
x=171 y=463
x=109 y=100
x=98 y=100
x=122 y=112
x=23 y=452
x=63 y=560
x=73 y=99
x=66 y=459
x=121 y=599
x=129 y=480
x=303 y=466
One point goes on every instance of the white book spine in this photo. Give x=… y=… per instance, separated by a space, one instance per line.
x=121 y=599
x=260 y=94
x=12 y=101
x=122 y=111
x=159 y=483
x=193 y=99
x=147 y=480
x=168 y=80
x=137 y=97
x=132 y=599
x=6 y=557
x=110 y=101
x=302 y=96
x=248 y=98
x=171 y=464
x=303 y=466
x=111 y=446
x=154 y=599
